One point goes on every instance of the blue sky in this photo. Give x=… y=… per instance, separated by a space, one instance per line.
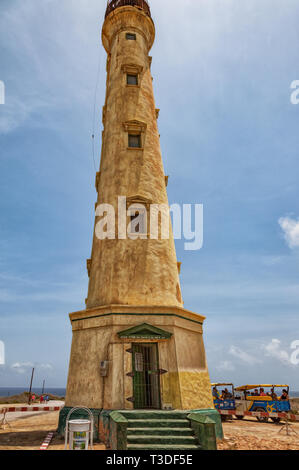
x=222 y=74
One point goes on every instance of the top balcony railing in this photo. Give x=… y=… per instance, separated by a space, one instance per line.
x=142 y=4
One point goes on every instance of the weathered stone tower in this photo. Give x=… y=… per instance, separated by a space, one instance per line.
x=135 y=346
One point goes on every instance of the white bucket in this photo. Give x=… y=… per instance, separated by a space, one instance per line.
x=79 y=431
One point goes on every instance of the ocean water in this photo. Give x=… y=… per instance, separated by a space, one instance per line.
x=60 y=392
x=10 y=391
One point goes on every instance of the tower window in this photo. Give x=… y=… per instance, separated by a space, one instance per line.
x=138 y=221
x=132 y=79
x=131 y=37
x=134 y=140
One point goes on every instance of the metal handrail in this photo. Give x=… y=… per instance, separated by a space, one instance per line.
x=113 y=4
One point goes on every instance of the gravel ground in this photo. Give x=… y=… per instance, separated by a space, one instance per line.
x=29 y=433
x=249 y=434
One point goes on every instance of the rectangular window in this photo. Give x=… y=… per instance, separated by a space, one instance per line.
x=134 y=141
x=138 y=222
x=132 y=79
x=131 y=37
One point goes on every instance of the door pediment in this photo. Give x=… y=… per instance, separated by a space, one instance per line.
x=137 y=199
x=144 y=331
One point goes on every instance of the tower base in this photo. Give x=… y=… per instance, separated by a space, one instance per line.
x=126 y=357
x=153 y=430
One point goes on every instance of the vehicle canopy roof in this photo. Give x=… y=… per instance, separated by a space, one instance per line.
x=221 y=385
x=251 y=387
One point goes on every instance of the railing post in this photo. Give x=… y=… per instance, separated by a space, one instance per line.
x=205 y=431
x=118 y=431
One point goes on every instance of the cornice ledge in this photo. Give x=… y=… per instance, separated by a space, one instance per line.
x=137 y=309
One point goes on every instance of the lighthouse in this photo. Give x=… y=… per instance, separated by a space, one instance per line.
x=134 y=347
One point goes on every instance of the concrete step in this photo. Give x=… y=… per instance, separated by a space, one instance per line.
x=154 y=440
x=163 y=447
x=154 y=414
x=160 y=431
x=156 y=423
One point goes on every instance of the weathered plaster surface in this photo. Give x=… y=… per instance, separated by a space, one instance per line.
x=195 y=390
x=133 y=282
x=132 y=272
x=185 y=385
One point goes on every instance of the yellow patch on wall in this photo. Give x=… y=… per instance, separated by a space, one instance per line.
x=170 y=389
x=195 y=390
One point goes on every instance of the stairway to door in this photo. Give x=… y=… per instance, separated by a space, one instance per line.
x=159 y=430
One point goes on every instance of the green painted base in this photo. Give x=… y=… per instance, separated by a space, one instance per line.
x=214 y=416
x=159 y=429
x=151 y=429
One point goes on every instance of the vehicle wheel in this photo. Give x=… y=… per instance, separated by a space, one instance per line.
x=276 y=420
x=264 y=419
x=239 y=417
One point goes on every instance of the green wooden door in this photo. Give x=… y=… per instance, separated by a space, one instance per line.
x=146 y=380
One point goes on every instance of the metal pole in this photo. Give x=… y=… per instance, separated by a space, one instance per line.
x=30 y=389
x=43 y=389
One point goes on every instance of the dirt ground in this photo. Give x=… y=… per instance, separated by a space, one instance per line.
x=249 y=434
x=29 y=433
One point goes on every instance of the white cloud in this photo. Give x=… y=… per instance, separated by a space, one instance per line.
x=226 y=366
x=16 y=112
x=49 y=75
x=271 y=260
x=290 y=228
x=273 y=349
x=243 y=356
x=46 y=366
x=66 y=296
x=23 y=367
